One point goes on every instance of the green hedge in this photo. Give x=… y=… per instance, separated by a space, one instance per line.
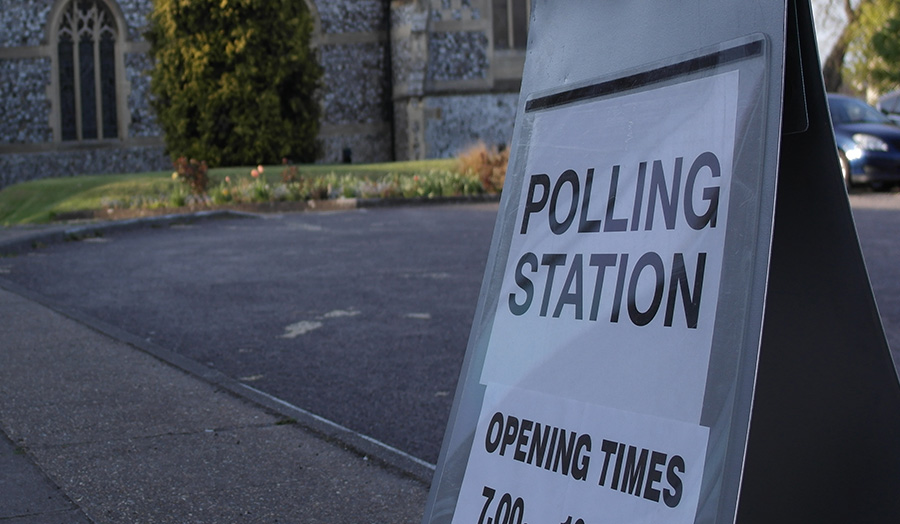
x=234 y=81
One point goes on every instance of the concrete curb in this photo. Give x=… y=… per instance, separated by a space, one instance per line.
x=419 y=201
x=27 y=240
x=362 y=444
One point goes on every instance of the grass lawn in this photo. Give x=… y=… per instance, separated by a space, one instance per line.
x=39 y=201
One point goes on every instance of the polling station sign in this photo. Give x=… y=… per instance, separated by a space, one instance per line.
x=654 y=340
x=596 y=366
x=616 y=258
x=540 y=458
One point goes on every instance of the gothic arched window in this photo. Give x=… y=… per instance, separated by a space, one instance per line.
x=511 y=23
x=86 y=47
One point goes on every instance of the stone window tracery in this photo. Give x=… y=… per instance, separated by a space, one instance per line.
x=86 y=53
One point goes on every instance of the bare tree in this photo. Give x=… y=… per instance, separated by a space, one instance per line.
x=833 y=67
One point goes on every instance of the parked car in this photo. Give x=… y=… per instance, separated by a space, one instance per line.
x=868 y=143
x=889 y=104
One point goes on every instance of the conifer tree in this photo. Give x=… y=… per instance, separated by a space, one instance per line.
x=234 y=81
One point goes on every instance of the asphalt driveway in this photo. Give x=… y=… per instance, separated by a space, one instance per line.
x=361 y=317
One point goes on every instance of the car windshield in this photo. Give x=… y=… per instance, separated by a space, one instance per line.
x=852 y=111
x=890 y=102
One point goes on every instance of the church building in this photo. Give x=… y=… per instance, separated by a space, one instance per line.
x=403 y=80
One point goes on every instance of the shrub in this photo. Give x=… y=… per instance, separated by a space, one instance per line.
x=488 y=164
x=234 y=81
x=192 y=172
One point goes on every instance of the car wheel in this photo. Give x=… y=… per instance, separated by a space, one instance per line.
x=845 y=170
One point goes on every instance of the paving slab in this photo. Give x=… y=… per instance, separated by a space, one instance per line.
x=125 y=437
x=27 y=495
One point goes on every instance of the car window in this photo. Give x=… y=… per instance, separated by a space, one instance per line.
x=852 y=111
x=890 y=103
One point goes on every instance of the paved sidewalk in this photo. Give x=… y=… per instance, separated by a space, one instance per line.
x=100 y=430
x=27 y=495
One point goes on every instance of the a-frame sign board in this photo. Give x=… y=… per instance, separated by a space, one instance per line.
x=824 y=440
x=658 y=338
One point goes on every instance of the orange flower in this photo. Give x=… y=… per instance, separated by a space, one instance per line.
x=254 y=173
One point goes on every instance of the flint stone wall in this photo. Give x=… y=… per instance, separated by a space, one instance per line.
x=376 y=89
x=458 y=56
x=15 y=168
x=351 y=16
x=356 y=87
x=135 y=13
x=143 y=118
x=462 y=121
x=23 y=101
x=23 y=23
x=26 y=108
x=362 y=147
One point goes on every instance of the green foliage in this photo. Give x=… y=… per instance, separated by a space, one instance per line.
x=234 y=81
x=886 y=45
x=39 y=201
x=873 y=64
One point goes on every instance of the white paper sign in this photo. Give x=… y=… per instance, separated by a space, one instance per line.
x=538 y=459
x=611 y=287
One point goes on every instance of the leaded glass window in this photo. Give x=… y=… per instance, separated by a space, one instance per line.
x=511 y=23
x=86 y=47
